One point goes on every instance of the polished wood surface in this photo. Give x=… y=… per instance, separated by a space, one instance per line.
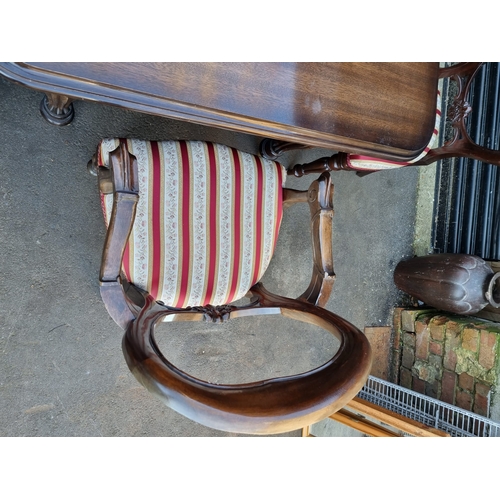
x=381 y=109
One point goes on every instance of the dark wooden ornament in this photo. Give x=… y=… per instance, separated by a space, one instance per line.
x=456 y=283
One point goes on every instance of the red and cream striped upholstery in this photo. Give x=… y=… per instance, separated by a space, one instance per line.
x=207 y=220
x=358 y=162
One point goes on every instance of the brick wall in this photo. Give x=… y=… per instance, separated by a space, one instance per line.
x=451 y=358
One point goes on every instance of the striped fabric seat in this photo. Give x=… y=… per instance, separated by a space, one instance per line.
x=207 y=220
x=358 y=162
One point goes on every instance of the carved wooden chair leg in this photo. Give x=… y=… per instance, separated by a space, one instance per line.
x=57 y=109
x=272 y=149
x=320 y=198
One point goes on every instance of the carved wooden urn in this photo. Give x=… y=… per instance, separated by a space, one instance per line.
x=457 y=283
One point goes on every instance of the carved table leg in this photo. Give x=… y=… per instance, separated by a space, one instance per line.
x=57 y=109
x=271 y=149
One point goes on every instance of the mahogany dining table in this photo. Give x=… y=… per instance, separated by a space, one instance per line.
x=379 y=109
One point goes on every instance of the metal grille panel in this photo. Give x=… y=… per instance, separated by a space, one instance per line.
x=428 y=411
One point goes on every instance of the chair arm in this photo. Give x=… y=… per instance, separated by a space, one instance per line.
x=320 y=198
x=125 y=196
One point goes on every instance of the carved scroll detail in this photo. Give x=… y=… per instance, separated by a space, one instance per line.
x=458 y=111
x=215 y=314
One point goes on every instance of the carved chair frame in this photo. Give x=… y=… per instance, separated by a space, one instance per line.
x=271 y=406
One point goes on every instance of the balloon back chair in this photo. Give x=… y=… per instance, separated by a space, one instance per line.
x=191 y=228
x=459 y=145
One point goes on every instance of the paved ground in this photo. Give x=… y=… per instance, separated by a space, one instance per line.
x=62 y=372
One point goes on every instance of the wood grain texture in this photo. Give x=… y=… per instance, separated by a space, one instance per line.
x=393 y=419
x=382 y=109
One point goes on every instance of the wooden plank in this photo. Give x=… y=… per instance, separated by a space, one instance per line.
x=394 y=419
x=380 y=342
x=354 y=413
x=362 y=424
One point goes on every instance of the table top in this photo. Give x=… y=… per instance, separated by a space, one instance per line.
x=379 y=109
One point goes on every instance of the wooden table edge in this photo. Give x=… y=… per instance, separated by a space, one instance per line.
x=78 y=88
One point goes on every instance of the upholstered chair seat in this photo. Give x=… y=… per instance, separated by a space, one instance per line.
x=359 y=162
x=206 y=222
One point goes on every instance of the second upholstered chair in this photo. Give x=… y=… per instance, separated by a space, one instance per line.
x=460 y=144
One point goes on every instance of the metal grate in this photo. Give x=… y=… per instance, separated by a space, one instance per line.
x=428 y=411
